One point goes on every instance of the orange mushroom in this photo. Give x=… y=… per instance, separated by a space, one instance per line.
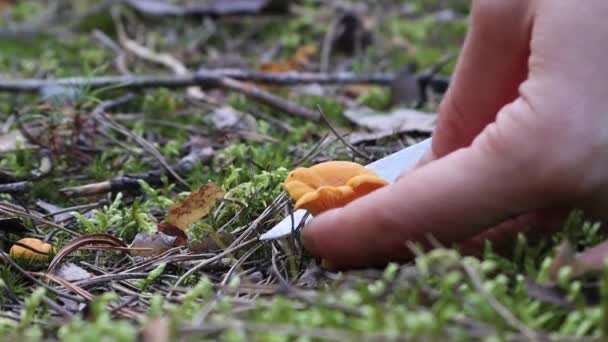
x=39 y=250
x=330 y=185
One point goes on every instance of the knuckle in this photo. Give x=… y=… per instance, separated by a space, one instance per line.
x=452 y=128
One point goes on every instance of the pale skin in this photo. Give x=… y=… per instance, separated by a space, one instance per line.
x=522 y=138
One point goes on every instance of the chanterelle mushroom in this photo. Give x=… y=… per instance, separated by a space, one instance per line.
x=330 y=185
x=40 y=250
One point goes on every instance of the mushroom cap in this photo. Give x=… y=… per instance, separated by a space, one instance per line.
x=17 y=251
x=329 y=185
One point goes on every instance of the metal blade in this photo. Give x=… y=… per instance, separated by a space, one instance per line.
x=389 y=168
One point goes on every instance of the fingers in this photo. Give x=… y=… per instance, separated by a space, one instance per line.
x=453 y=199
x=492 y=64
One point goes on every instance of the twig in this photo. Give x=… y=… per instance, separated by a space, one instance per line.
x=16 y=188
x=268 y=98
x=109 y=278
x=327 y=44
x=203 y=78
x=147 y=54
x=180 y=69
x=209 y=9
x=127 y=182
x=83 y=207
x=6 y=209
x=210 y=261
x=120 y=60
x=58 y=308
x=7 y=258
x=346 y=143
x=100 y=114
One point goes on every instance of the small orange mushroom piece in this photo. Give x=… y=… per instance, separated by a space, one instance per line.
x=330 y=185
x=39 y=250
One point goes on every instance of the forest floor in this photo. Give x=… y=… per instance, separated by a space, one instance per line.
x=143 y=149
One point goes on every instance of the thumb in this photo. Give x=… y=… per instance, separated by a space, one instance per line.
x=452 y=198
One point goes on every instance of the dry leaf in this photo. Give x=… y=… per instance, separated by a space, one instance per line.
x=194 y=207
x=181 y=239
x=145 y=245
x=32 y=249
x=72 y=272
x=297 y=62
x=51 y=208
x=227 y=118
x=398 y=121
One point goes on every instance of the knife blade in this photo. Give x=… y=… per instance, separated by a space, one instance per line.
x=389 y=168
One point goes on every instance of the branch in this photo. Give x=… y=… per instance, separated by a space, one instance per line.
x=16 y=188
x=203 y=78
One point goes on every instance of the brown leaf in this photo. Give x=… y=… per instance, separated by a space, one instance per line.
x=181 y=239
x=214 y=242
x=145 y=245
x=296 y=62
x=194 y=207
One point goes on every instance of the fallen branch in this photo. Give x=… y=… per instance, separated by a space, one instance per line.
x=131 y=182
x=209 y=78
x=159 y=8
x=268 y=98
x=15 y=188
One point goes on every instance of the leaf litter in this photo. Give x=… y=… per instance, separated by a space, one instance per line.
x=125 y=249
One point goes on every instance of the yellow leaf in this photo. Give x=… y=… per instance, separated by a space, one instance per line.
x=194 y=207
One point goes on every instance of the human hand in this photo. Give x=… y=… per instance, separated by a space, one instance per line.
x=522 y=131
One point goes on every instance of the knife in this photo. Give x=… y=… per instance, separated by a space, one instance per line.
x=389 y=168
